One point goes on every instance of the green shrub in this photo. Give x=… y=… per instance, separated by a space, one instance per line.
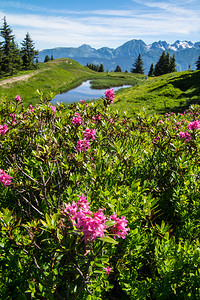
x=145 y=169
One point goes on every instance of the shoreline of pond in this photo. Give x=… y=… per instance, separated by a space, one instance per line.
x=83 y=92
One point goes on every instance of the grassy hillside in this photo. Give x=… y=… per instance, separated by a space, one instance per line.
x=60 y=75
x=170 y=92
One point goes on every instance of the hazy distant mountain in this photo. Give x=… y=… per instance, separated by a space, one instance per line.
x=186 y=54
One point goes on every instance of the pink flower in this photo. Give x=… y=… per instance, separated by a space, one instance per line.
x=82 y=145
x=156 y=139
x=91 y=224
x=77 y=120
x=13 y=116
x=109 y=94
x=5 y=178
x=96 y=118
x=194 y=125
x=108 y=269
x=3 y=129
x=31 y=109
x=83 y=101
x=90 y=134
x=18 y=98
x=185 y=135
x=120 y=227
x=53 y=108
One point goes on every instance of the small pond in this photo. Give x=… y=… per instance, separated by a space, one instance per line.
x=83 y=92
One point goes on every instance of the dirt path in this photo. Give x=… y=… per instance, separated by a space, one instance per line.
x=19 y=78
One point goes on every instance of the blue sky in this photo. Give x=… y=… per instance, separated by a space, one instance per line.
x=71 y=23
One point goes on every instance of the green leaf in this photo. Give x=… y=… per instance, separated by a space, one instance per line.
x=108 y=239
x=109 y=223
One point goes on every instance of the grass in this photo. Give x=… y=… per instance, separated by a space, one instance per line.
x=171 y=92
x=117 y=79
x=59 y=76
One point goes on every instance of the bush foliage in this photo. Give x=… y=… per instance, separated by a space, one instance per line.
x=144 y=170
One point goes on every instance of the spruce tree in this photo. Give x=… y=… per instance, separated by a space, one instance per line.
x=46 y=59
x=165 y=64
x=151 y=70
x=52 y=57
x=172 y=64
x=118 y=69
x=198 y=63
x=101 y=68
x=160 y=65
x=138 y=66
x=28 y=52
x=1 y=59
x=10 y=52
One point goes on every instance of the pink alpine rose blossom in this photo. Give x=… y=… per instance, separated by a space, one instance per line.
x=18 y=98
x=90 y=134
x=53 y=108
x=194 y=125
x=120 y=227
x=83 y=145
x=5 y=178
x=108 y=269
x=31 y=109
x=13 y=116
x=109 y=94
x=91 y=224
x=96 y=118
x=3 y=129
x=77 y=120
x=185 y=135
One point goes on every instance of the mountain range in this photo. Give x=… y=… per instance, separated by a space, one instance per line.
x=186 y=54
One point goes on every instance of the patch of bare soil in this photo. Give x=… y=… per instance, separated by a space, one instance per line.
x=18 y=78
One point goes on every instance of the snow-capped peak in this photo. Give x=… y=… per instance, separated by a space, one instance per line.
x=178 y=45
x=181 y=45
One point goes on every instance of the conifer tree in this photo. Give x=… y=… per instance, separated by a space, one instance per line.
x=1 y=59
x=165 y=64
x=118 y=69
x=198 y=63
x=151 y=70
x=28 y=52
x=101 y=68
x=52 y=57
x=46 y=59
x=138 y=66
x=10 y=52
x=160 y=65
x=172 y=64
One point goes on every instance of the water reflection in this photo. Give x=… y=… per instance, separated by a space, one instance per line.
x=82 y=92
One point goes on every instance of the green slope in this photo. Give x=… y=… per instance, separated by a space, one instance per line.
x=170 y=92
x=60 y=75
x=54 y=76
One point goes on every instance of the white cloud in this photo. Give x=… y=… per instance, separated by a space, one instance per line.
x=110 y=28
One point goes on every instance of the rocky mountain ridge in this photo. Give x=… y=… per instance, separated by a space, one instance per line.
x=186 y=54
